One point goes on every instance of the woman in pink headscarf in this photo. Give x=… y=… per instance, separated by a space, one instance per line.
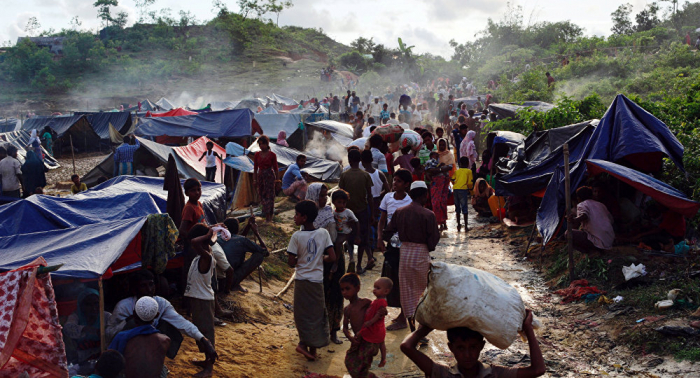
x=282 y=139
x=468 y=148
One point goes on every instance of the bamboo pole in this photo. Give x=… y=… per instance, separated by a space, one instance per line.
x=569 y=236
x=103 y=338
x=72 y=152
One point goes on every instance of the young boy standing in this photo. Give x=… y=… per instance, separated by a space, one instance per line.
x=346 y=223
x=306 y=254
x=358 y=184
x=373 y=330
x=463 y=182
x=211 y=161
x=199 y=291
x=466 y=346
x=354 y=315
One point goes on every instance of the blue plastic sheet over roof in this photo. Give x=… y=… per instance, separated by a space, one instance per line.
x=100 y=122
x=625 y=133
x=88 y=232
x=663 y=193
x=272 y=124
x=20 y=139
x=227 y=123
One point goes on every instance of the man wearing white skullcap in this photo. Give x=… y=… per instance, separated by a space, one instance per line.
x=143 y=347
x=419 y=235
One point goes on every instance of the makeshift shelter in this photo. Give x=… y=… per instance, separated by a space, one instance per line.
x=8 y=124
x=227 y=123
x=165 y=104
x=241 y=166
x=223 y=105
x=269 y=110
x=340 y=132
x=251 y=104
x=121 y=121
x=171 y=113
x=510 y=110
x=272 y=124
x=146 y=105
x=628 y=135
x=77 y=127
x=93 y=231
x=191 y=153
x=319 y=168
x=282 y=100
x=31 y=341
x=20 y=139
x=502 y=145
x=542 y=153
x=661 y=192
x=148 y=157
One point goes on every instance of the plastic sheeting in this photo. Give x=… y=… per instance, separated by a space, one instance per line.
x=235 y=149
x=20 y=139
x=334 y=126
x=625 y=133
x=165 y=104
x=240 y=163
x=172 y=113
x=272 y=124
x=663 y=193
x=100 y=122
x=191 y=153
x=8 y=124
x=319 y=168
x=510 y=110
x=76 y=127
x=283 y=100
x=227 y=123
x=543 y=153
x=149 y=152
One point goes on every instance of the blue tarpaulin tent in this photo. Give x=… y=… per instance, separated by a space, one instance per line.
x=272 y=124
x=100 y=122
x=89 y=231
x=626 y=133
x=8 y=124
x=543 y=153
x=661 y=192
x=20 y=139
x=227 y=123
x=77 y=127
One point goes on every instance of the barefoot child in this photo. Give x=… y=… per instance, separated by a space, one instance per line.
x=373 y=330
x=346 y=223
x=466 y=346
x=199 y=291
x=463 y=182
x=211 y=161
x=358 y=313
x=306 y=254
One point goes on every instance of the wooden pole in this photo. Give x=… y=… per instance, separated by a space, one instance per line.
x=103 y=337
x=72 y=152
x=532 y=235
x=569 y=237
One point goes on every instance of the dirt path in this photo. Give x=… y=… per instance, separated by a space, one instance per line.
x=573 y=342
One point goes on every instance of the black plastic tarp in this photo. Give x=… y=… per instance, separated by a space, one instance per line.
x=100 y=122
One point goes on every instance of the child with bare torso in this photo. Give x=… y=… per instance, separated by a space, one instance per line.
x=367 y=321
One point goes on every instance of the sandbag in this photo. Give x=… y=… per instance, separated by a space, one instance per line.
x=460 y=296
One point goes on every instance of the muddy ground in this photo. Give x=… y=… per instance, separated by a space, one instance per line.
x=577 y=339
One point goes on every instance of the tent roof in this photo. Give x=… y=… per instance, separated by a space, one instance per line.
x=171 y=113
x=227 y=123
x=506 y=137
x=627 y=133
x=165 y=104
x=191 y=153
x=100 y=122
x=542 y=158
x=146 y=105
x=60 y=124
x=269 y=110
x=20 y=139
x=89 y=231
x=8 y=124
x=283 y=100
x=510 y=110
x=665 y=194
x=335 y=127
x=322 y=169
x=250 y=103
x=272 y=124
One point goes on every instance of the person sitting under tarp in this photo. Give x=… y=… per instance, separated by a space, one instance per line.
x=480 y=200
x=596 y=223
x=168 y=321
x=671 y=230
x=235 y=249
x=83 y=329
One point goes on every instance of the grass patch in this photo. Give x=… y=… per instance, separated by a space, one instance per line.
x=276 y=266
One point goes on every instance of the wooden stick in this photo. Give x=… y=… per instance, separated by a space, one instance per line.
x=532 y=235
x=103 y=338
x=569 y=237
x=286 y=287
x=72 y=152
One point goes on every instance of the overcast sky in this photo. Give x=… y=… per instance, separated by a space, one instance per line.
x=427 y=24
